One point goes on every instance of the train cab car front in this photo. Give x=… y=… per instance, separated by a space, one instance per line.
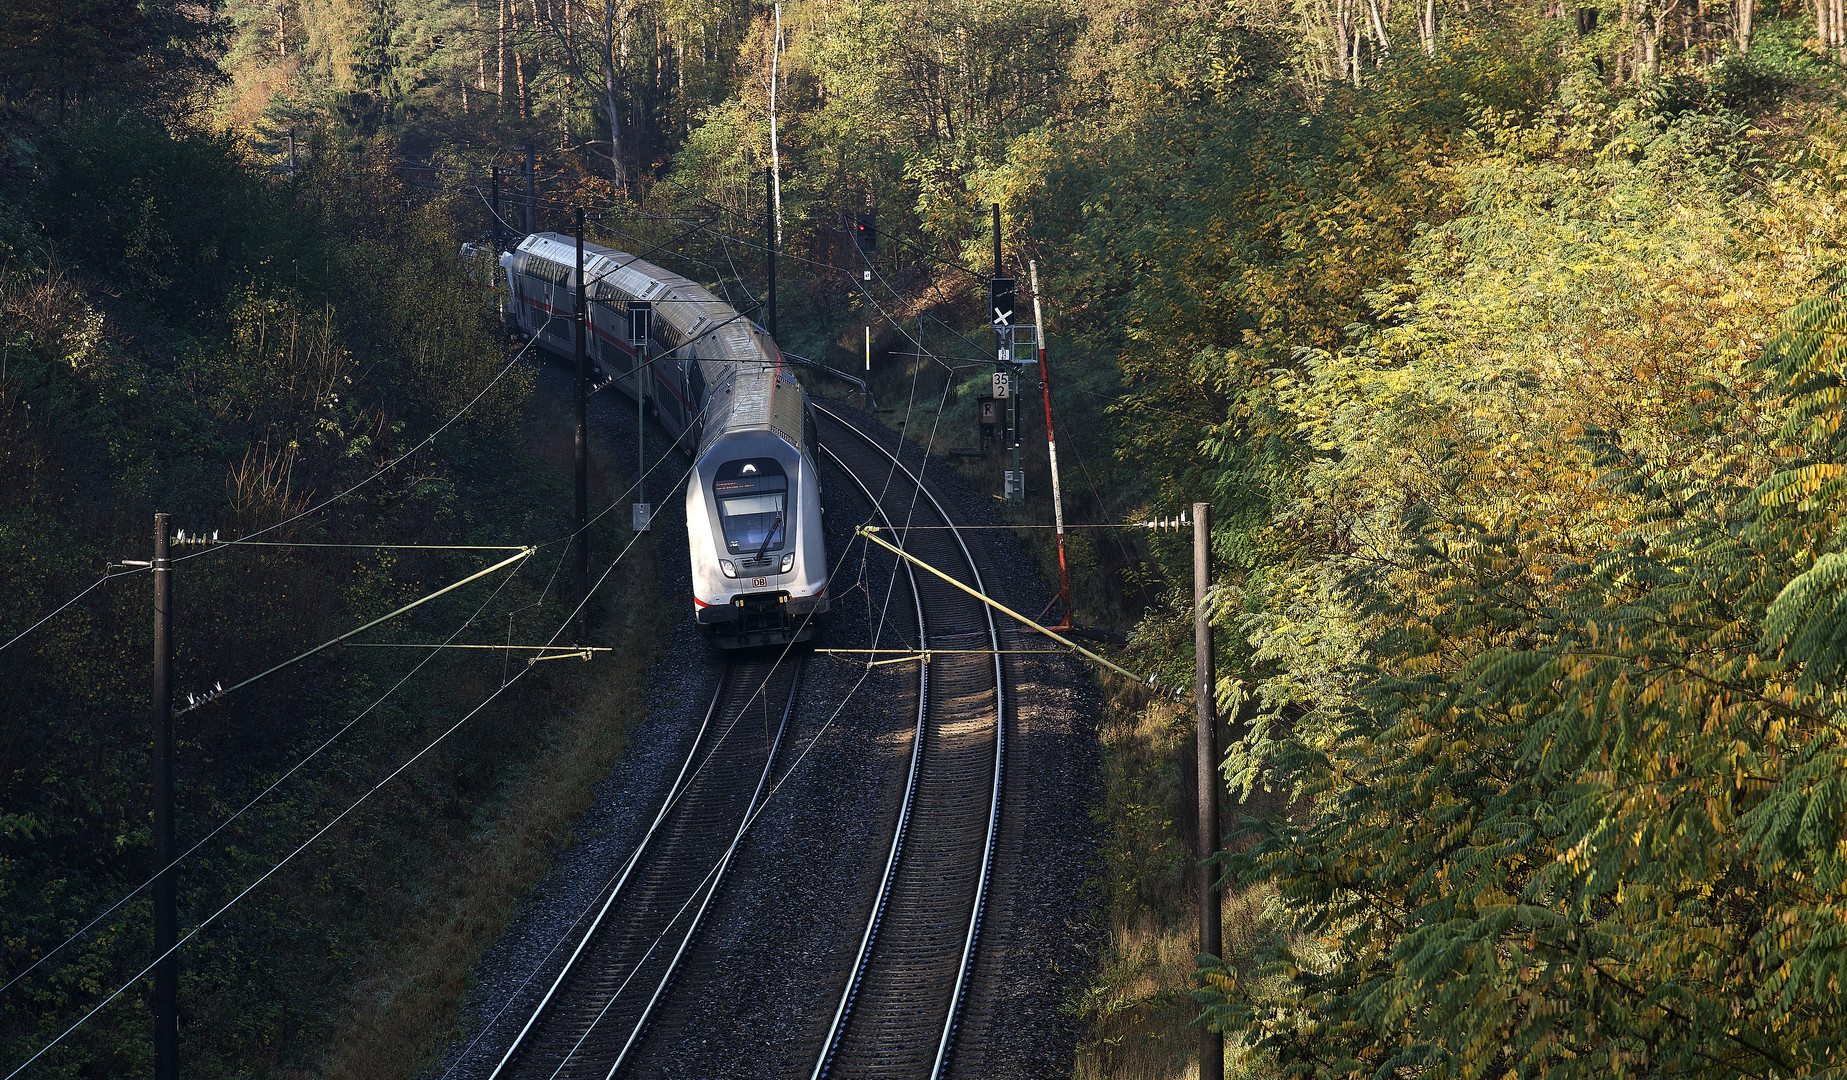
x=758 y=582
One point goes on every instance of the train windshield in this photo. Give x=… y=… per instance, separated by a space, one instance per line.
x=752 y=505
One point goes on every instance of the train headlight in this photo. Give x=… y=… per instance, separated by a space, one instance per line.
x=729 y=570
x=788 y=563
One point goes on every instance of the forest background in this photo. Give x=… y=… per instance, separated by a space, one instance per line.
x=1504 y=338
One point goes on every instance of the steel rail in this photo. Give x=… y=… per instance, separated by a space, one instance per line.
x=628 y=867
x=718 y=875
x=952 y=1017
x=572 y=1032
x=845 y=1008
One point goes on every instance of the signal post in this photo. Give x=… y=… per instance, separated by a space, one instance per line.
x=1006 y=378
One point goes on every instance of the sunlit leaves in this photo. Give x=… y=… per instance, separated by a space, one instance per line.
x=1583 y=812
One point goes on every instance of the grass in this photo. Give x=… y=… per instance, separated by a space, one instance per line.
x=1136 y=1008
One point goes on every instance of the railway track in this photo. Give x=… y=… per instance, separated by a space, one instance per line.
x=594 y=1012
x=900 y=1007
x=900 y=1004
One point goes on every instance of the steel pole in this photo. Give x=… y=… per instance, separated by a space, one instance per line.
x=1211 y=1043
x=641 y=431
x=1051 y=441
x=580 y=554
x=1017 y=492
x=997 y=272
x=166 y=919
x=532 y=195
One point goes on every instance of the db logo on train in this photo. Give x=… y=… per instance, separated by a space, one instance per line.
x=759 y=582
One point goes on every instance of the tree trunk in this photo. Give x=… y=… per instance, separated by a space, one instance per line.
x=500 y=59
x=1427 y=27
x=1341 y=22
x=1378 y=30
x=1651 y=40
x=570 y=80
x=775 y=156
x=612 y=91
x=1746 y=12
x=519 y=65
x=1351 y=31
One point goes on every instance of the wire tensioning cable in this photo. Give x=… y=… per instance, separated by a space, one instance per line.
x=216 y=693
x=107 y=577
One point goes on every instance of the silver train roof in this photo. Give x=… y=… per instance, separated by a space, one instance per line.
x=749 y=388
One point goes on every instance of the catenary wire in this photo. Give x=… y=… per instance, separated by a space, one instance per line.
x=273 y=785
x=330 y=500
x=750 y=819
x=878 y=626
x=107 y=577
x=300 y=764
x=921 y=347
x=312 y=510
x=335 y=820
x=462 y=1058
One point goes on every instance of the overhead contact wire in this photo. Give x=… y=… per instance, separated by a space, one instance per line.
x=323 y=830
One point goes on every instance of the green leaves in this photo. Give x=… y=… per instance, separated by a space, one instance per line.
x=1807 y=624
x=1572 y=801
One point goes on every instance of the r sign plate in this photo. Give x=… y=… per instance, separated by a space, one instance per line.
x=758 y=583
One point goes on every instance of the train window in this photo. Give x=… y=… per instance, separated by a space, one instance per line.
x=752 y=505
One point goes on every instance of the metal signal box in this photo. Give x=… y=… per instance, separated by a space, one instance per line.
x=987 y=411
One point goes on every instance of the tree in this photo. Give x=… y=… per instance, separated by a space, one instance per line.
x=591 y=41
x=1558 y=693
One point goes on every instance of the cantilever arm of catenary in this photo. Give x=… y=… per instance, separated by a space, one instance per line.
x=867 y=531
x=524 y=553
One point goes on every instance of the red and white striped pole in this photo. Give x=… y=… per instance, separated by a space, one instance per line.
x=1051 y=446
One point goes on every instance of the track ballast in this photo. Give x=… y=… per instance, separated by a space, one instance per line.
x=900 y=1006
x=594 y=1012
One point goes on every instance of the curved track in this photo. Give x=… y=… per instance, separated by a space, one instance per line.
x=899 y=1011
x=594 y=1012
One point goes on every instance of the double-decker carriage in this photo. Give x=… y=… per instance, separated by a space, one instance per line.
x=753 y=503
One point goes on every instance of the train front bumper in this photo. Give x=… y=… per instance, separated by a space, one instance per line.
x=760 y=605
x=762 y=618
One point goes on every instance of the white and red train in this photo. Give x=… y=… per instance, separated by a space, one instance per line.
x=753 y=501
